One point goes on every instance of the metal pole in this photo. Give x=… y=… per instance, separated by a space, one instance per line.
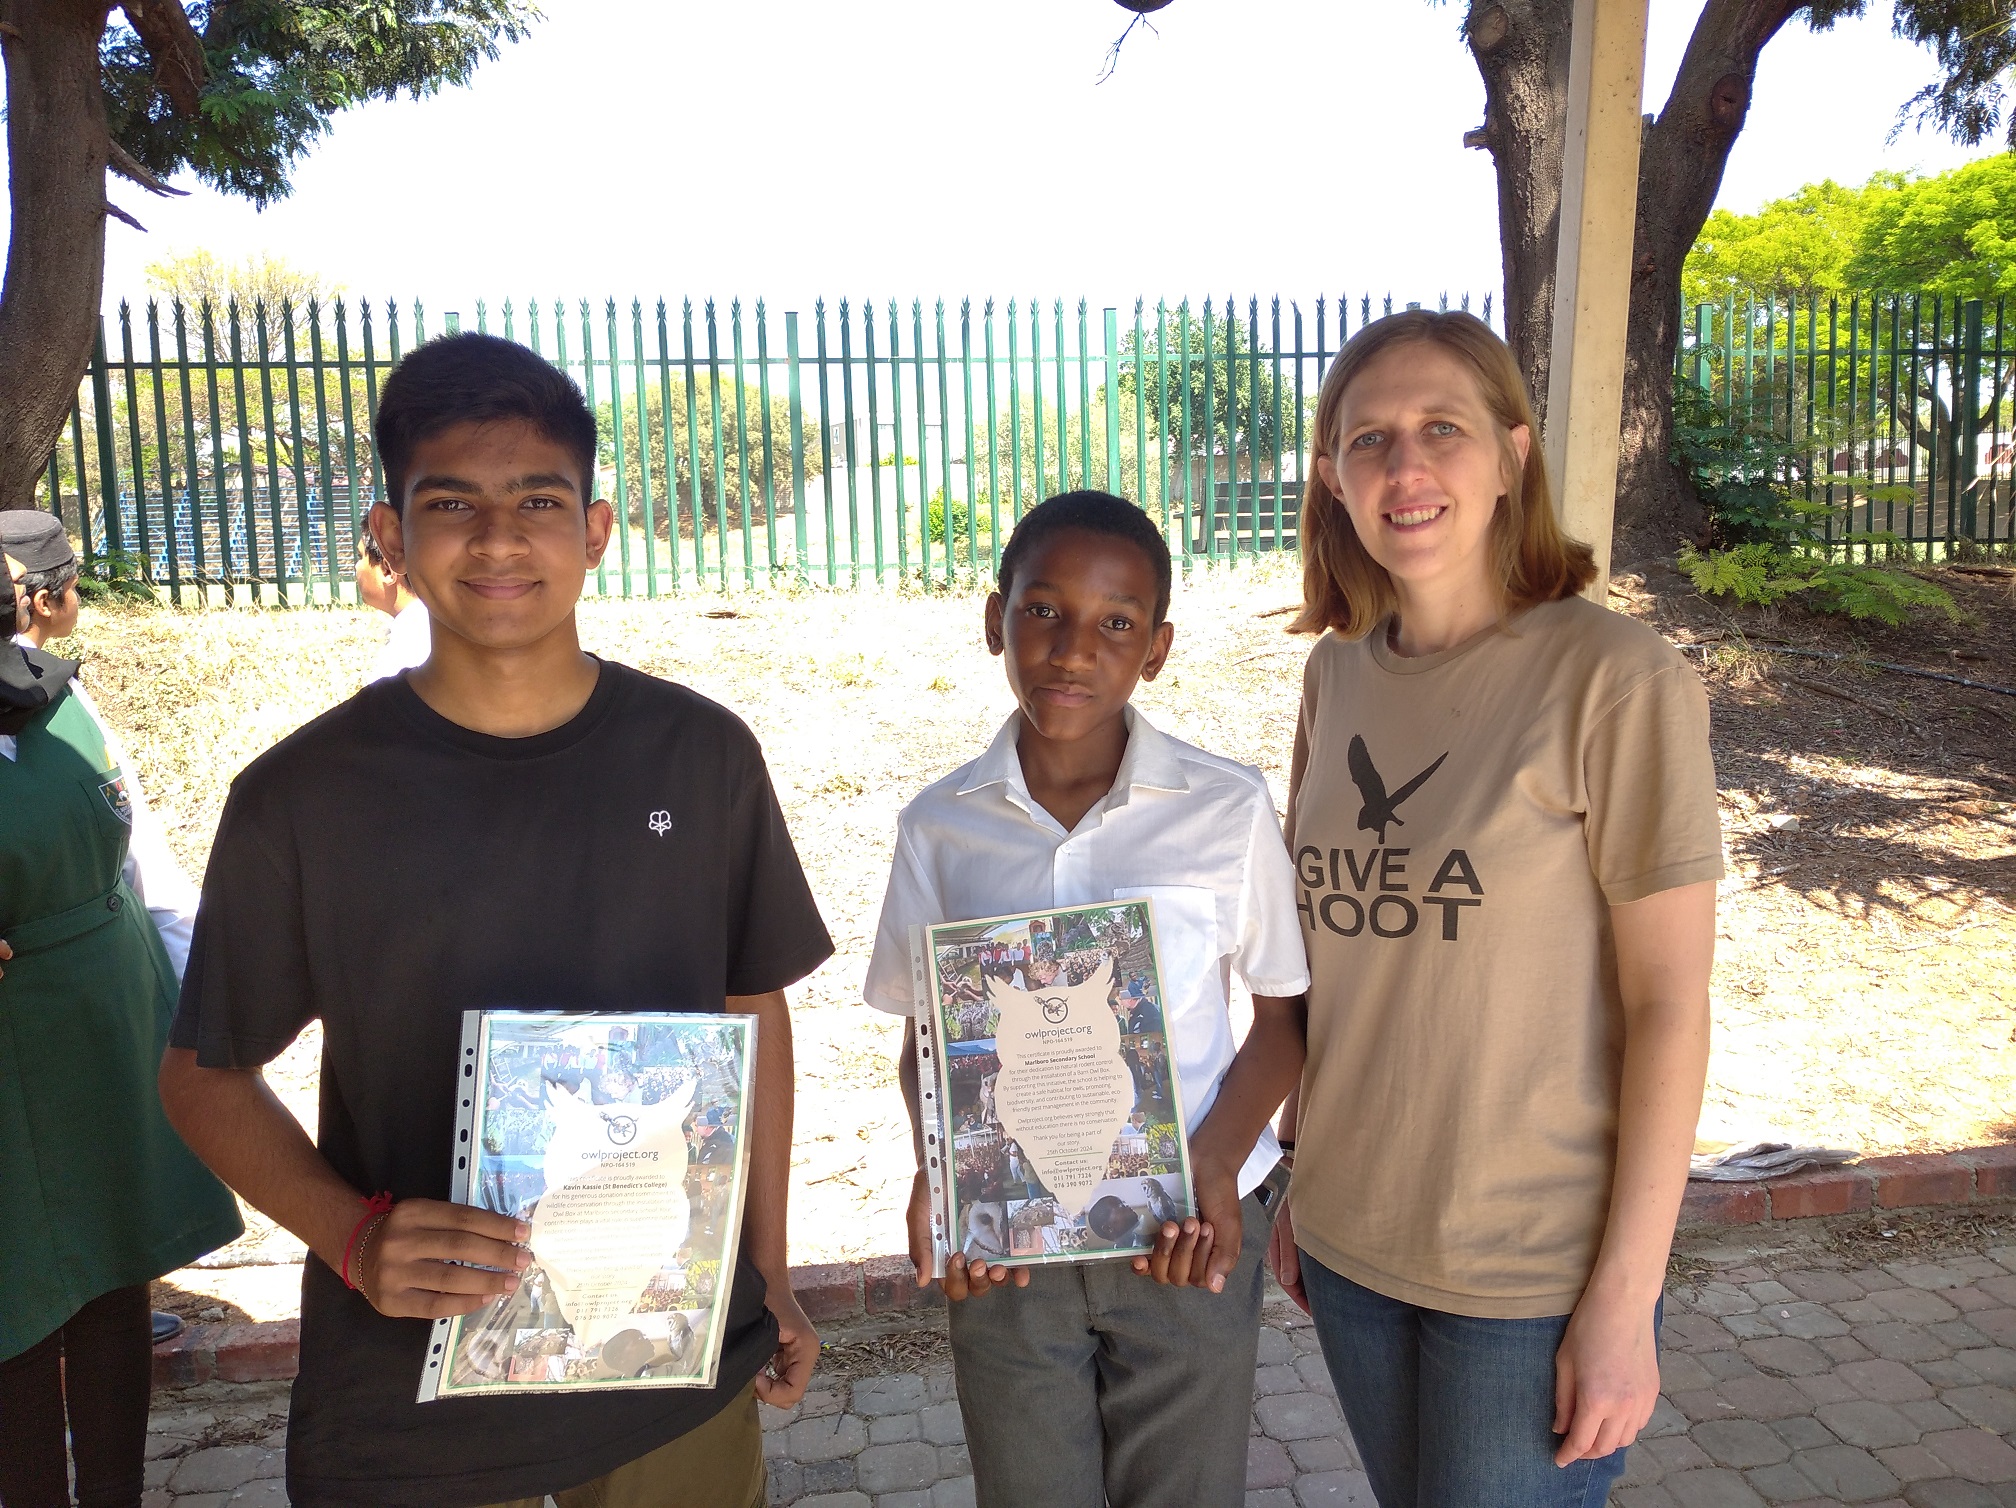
x=799 y=540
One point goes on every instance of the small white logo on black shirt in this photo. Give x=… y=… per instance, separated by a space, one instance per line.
x=661 y=822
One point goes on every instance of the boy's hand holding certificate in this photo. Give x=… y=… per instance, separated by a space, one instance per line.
x=616 y=1142
x=1052 y=1112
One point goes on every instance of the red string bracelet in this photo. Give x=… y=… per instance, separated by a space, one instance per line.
x=376 y=1207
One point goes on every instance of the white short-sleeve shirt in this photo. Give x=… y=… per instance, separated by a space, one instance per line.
x=1194 y=832
x=408 y=642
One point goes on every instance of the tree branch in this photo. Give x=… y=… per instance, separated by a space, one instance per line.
x=222 y=18
x=163 y=28
x=119 y=214
x=121 y=161
x=1726 y=39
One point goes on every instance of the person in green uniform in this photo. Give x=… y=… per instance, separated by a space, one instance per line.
x=102 y=1196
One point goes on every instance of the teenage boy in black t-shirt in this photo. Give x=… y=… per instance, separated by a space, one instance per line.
x=544 y=830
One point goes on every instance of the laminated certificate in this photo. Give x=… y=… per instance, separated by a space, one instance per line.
x=1053 y=1119
x=621 y=1139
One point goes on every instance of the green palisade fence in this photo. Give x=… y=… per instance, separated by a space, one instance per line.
x=1889 y=412
x=876 y=443
x=868 y=443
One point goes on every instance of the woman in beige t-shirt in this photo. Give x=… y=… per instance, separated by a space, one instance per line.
x=1503 y=821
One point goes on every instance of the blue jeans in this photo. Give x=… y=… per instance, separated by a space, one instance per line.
x=1449 y=1411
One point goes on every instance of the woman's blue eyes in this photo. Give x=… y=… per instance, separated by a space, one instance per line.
x=1441 y=429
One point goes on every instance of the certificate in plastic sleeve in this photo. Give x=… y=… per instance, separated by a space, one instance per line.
x=621 y=1139
x=1053 y=1116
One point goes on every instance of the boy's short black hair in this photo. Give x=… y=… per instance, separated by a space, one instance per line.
x=55 y=582
x=478 y=379
x=1095 y=513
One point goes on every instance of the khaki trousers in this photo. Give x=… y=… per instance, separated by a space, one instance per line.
x=718 y=1465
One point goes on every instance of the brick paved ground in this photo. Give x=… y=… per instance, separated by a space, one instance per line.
x=1794 y=1378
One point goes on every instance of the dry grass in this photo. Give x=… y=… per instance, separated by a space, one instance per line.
x=923 y=1347
x=1917 y=1235
x=1866 y=985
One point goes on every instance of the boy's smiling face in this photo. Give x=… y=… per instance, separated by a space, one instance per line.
x=498 y=533
x=1077 y=632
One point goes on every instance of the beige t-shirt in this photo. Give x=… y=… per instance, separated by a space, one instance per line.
x=1458 y=822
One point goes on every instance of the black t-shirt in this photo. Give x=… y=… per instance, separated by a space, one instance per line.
x=384 y=869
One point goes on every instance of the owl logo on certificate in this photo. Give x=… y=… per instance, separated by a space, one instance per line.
x=619 y=1139
x=1056 y=1123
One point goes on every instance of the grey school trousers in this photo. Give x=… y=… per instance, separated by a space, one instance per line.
x=1095 y=1385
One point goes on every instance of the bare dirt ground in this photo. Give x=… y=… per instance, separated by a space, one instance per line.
x=1865 y=987
x=1865 y=979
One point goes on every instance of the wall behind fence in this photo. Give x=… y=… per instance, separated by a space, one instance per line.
x=228 y=449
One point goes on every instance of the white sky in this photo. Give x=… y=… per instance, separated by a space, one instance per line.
x=915 y=147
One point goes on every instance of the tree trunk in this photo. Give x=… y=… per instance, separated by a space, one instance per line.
x=56 y=151
x=1679 y=174
x=1521 y=47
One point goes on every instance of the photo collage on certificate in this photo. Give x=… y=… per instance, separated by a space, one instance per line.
x=1060 y=1102
x=620 y=1139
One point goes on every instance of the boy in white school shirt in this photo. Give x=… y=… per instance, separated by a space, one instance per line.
x=411 y=637
x=1126 y=1383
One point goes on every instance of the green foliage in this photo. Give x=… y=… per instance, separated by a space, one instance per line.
x=965 y=525
x=279 y=70
x=1802 y=243
x=221 y=433
x=1762 y=575
x=201 y=277
x=1976 y=47
x=113 y=576
x=728 y=487
x=1743 y=472
x=1743 y=572
x=1082 y=442
x=1246 y=413
x=1953 y=234
x=1766 y=534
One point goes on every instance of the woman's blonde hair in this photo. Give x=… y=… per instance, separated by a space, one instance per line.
x=1343 y=587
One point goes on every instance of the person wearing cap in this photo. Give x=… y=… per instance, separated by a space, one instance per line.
x=102 y=1194
x=411 y=638
x=716 y=1146
x=44 y=569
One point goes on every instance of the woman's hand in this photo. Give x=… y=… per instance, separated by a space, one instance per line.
x=5 y=954
x=428 y=1258
x=1284 y=1258
x=1606 y=1376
